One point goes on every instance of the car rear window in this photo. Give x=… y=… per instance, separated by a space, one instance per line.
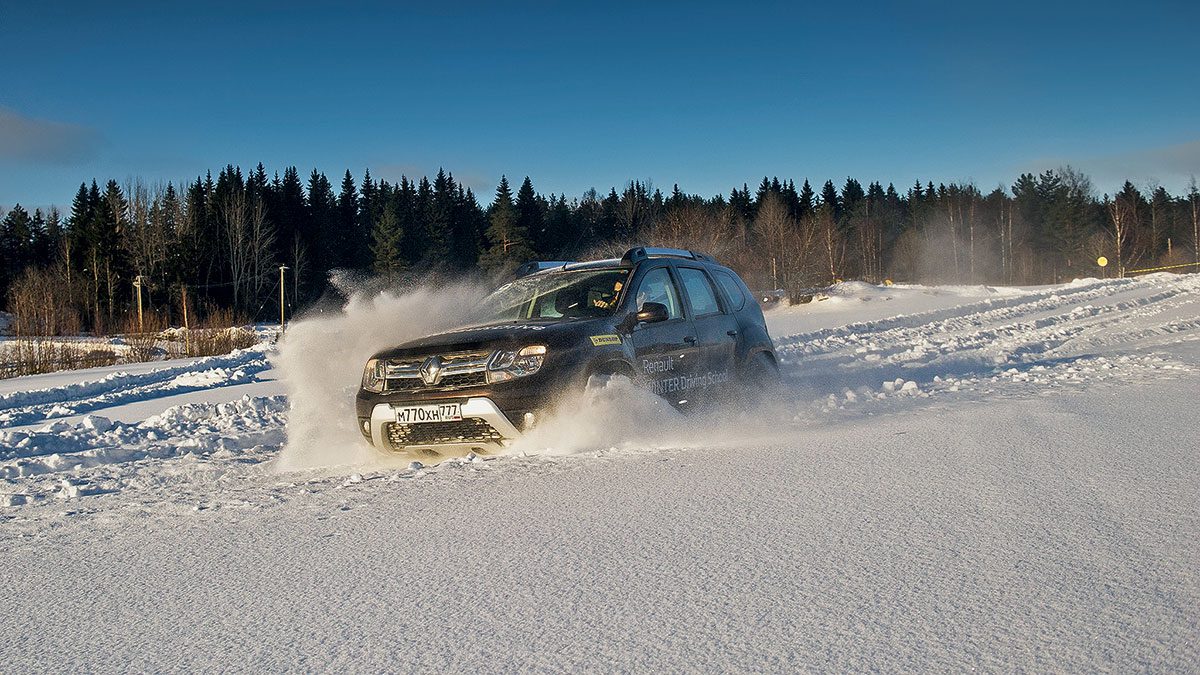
x=733 y=290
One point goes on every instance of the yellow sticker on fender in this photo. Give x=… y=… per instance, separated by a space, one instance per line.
x=602 y=340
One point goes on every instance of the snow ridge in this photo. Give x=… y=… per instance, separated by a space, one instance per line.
x=28 y=407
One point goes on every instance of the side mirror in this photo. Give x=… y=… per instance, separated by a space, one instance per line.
x=652 y=312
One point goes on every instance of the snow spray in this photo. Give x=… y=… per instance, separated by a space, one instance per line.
x=611 y=413
x=321 y=359
x=616 y=414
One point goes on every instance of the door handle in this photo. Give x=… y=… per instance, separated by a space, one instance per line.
x=690 y=340
x=731 y=333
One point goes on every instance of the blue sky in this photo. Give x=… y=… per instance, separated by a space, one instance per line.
x=580 y=95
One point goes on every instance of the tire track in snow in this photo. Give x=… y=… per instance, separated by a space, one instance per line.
x=998 y=307
x=977 y=338
x=31 y=407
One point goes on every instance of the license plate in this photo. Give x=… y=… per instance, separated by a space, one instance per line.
x=441 y=412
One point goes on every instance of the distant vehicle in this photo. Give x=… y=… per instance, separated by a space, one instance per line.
x=673 y=321
x=771 y=299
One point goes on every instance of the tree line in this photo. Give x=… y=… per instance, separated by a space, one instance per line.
x=213 y=245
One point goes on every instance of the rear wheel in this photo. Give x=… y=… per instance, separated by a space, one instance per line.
x=760 y=379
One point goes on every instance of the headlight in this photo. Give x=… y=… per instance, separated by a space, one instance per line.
x=509 y=365
x=374 y=375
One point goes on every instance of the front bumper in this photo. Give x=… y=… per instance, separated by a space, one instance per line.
x=483 y=424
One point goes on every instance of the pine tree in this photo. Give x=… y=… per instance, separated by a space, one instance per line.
x=559 y=227
x=39 y=240
x=292 y=209
x=508 y=243
x=409 y=211
x=465 y=227
x=764 y=189
x=531 y=217
x=742 y=204
x=807 y=200
x=16 y=246
x=368 y=215
x=346 y=239
x=435 y=245
x=852 y=194
x=386 y=244
x=830 y=200
x=55 y=235
x=110 y=267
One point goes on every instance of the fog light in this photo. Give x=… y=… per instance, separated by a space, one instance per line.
x=364 y=425
x=529 y=418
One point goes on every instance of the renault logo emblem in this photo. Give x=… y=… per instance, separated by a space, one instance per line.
x=431 y=370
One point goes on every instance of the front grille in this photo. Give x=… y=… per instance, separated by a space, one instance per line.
x=459 y=370
x=470 y=430
x=463 y=380
x=447 y=383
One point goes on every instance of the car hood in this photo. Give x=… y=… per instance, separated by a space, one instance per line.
x=509 y=334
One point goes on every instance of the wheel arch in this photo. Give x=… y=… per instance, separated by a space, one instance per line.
x=613 y=366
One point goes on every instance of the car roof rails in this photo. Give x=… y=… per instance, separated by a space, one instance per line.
x=535 y=266
x=640 y=253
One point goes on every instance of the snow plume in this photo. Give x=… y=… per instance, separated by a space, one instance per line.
x=610 y=414
x=321 y=358
x=620 y=415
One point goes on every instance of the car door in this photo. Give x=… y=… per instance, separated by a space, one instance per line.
x=666 y=352
x=716 y=330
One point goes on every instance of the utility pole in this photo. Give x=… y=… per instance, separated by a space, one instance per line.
x=137 y=283
x=186 y=329
x=282 y=317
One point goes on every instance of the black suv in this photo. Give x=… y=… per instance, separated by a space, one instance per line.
x=673 y=321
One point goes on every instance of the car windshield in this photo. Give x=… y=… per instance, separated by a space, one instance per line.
x=557 y=295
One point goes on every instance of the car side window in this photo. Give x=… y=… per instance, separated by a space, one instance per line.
x=733 y=290
x=701 y=297
x=657 y=287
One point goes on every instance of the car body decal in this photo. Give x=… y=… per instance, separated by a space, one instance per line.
x=604 y=340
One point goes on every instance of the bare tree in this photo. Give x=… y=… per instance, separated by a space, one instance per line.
x=697 y=227
x=299 y=255
x=805 y=263
x=235 y=214
x=1122 y=217
x=146 y=237
x=831 y=240
x=249 y=239
x=35 y=299
x=775 y=226
x=262 y=243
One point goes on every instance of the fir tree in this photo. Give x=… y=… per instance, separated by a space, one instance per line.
x=807 y=200
x=346 y=241
x=16 y=246
x=531 y=216
x=508 y=243
x=386 y=240
x=830 y=199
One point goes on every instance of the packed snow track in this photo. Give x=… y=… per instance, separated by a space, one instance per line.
x=957 y=478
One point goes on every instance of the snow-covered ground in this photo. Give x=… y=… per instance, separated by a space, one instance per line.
x=959 y=478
